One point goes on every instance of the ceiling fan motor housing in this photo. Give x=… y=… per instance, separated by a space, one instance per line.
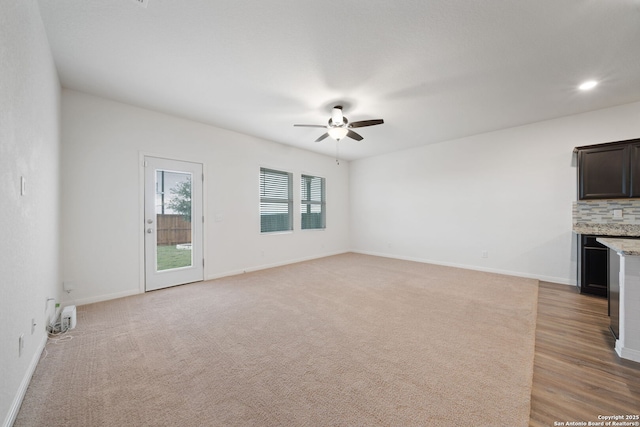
x=332 y=122
x=337 y=117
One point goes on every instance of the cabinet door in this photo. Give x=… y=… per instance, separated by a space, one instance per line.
x=595 y=276
x=604 y=172
x=635 y=169
x=593 y=266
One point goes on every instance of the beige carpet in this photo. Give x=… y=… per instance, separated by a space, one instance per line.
x=348 y=340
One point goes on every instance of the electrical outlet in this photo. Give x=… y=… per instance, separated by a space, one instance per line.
x=485 y=254
x=20 y=344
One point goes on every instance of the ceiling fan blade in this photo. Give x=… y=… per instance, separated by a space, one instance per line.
x=323 y=136
x=364 y=123
x=312 y=126
x=351 y=134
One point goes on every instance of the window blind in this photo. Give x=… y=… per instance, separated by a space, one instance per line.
x=313 y=205
x=276 y=202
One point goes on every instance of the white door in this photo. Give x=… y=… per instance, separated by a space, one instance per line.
x=172 y=223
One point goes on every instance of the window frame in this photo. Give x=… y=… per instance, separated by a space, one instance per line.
x=308 y=203
x=275 y=200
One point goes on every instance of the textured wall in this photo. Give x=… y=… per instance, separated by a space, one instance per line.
x=29 y=223
x=102 y=192
x=506 y=194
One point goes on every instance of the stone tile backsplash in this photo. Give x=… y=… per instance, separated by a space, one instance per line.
x=601 y=211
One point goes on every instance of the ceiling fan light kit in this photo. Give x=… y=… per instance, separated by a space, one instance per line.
x=338 y=133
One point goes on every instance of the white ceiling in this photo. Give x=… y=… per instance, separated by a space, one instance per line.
x=434 y=70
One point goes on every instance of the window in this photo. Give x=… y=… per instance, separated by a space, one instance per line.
x=276 y=202
x=312 y=206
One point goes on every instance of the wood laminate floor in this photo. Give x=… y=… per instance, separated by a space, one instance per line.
x=577 y=375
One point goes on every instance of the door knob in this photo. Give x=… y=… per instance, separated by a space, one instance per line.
x=149 y=221
x=149 y=230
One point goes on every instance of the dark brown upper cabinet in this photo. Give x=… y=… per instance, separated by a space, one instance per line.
x=609 y=171
x=635 y=168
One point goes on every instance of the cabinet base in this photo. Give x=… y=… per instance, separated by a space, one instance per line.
x=627 y=353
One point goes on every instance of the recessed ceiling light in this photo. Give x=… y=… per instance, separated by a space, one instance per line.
x=588 y=85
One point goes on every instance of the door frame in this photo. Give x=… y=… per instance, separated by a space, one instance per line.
x=141 y=213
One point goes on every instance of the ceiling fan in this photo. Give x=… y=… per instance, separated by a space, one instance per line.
x=338 y=126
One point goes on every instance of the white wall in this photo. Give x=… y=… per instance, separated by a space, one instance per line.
x=507 y=192
x=29 y=224
x=102 y=220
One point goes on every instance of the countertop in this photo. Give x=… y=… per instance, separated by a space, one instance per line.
x=608 y=229
x=624 y=246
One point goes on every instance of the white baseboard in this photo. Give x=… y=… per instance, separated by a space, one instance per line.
x=24 y=384
x=627 y=353
x=559 y=280
x=273 y=265
x=229 y=273
x=106 y=297
x=99 y=298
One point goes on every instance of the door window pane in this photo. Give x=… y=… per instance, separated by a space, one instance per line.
x=173 y=220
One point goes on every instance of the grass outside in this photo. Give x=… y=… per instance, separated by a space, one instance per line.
x=170 y=257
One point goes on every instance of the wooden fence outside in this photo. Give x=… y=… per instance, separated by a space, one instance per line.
x=173 y=230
